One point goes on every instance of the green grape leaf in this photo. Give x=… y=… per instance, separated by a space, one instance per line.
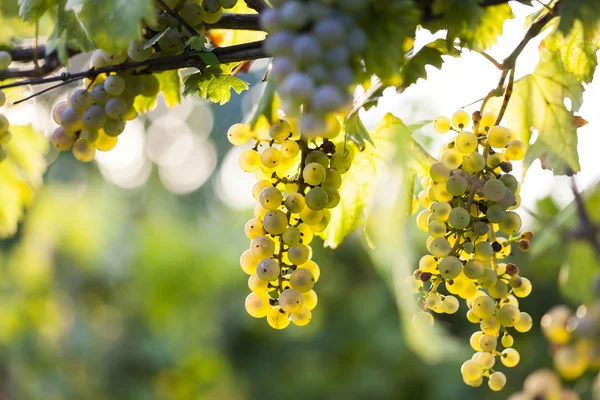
x=356 y=131
x=577 y=273
x=169 y=86
x=214 y=84
x=68 y=33
x=586 y=11
x=113 y=23
x=197 y=43
x=578 y=53
x=430 y=54
x=32 y=10
x=20 y=175
x=537 y=103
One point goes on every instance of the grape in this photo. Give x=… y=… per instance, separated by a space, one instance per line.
x=473 y=269
x=341 y=162
x=497 y=381
x=441 y=125
x=279 y=43
x=508 y=315
x=327 y=98
x=281 y=68
x=434 y=302
x=294 y=202
x=254 y=228
x=137 y=52
x=310 y=299
x=257 y=305
x=289 y=149
x=456 y=185
x=524 y=290
x=460 y=119
x=105 y=142
x=450 y=267
x=192 y=13
x=495 y=213
x=271 y=157
x=277 y=318
x=524 y=323
x=471 y=370
x=275 y=222
x=291 y=236
x=487 y=121
x=333 y=197
x=451 y=159
x=258 y=187
x=57 y=111
x=94 y=118
x=115 y=58
x=570 y=363
x=270 y=198
x=84 y=150
x=5 y=59
x=342 y=77
x=249 y=161
x=306 y=49
x=114 y=85
x=441 y=211
x=89 y=134
x=98 y=60
x=268 y=270
x=486 y=360
x=281 y=130
x=437 y=229
x=302 y=317
x=474 y=340
x=490 y=326
x=99 y=95
x=257 y=285
x=494 y=189
x=422 y=320
x=466 y=142
x=450 y=304
x=248 y=262
x=294 y=14
x=171 y=42
x=313 y=268
x=238 y=134
x=333 y=179
x=298 y=87
x=262 y=247
x=507 y=340
x=440 y=247
x=473 y=162
x=515 y=150
x=80 y=100
x=498 y=137
x=70 y=120
x=428 y=264
x=511 y=223
x=439 y=172
x=298 y=254
x=116 y=108
x=317 y=156
x=329 y=31
x=313 y=174
x=61 y=139
x=114 y=127
x=510 y=357
x=316 y=198
x=4 y=126
x=459 y=218
x=488 y=343
x=291 y=300
x=484 y=307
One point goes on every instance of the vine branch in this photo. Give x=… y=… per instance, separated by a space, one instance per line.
x=178 y=18
x=257 y=5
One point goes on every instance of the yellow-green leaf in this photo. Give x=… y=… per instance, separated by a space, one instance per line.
x=169 y=86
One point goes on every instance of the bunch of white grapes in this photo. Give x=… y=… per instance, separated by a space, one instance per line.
x=296 y=187
x=315 y=45
x=5 y=61
x=469 y=198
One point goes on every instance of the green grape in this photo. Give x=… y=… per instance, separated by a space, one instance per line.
x=474 y=340
x=497 y=381
x=316 y=198
x=99 y=95
x=257 y=285
x=450 y=267
x=441 y=124
x=473 y=269
x=289 y=149
x=238 y=134
x=94 y=117
x=137 y=52
x=89 y=135
x=275 y=222
x=438 y=172
x=257 y=305
x=61 y=139
x=70 y=120
x=80 y=100
x=313 y=268
x=473 y=162
x=5 y=59
x=524 y=290
x=510 y=182
x=260 y=211
x=498 y=137
x=57 y=111
x=488 y=343
x=298 y=254
x=228 y=3
x=2 y=98
x=488 y=279
x=466 y=142
x=515 y=150
x=115 y=58
x=422 y=219
x=114 y=85
x=494 y=189
x=483 y=251
x=280 y=131
x=484 y=307
x=116 y=108
x=302 y=317
x=105 y=142
x=259 y=186
x=311 y=217
x=271 y=157
x=495 y=213
x=480 y=228
x=4 y=125
x=450 y=304
x=171 y=42
x=440 y=193
x=441 y=211
x=440 y=247
x=291 y=236
x=317 y=156
x=295 y=202
x=268 y=270
x=211 y=6
x=451 y=159
x=468 y=247
x=340 y=162
x=494 y=160
x=291 y=300
x=508 y=315
x=433 y=302
x=471 y=370
x=262 y=247
x=313 y=174
x=98 y=60
x=507 y=340
x=413 y=284
x=333 y=197
x=277 y=318
x=460 y=119
x=472 y=318
x=459 y=218
x=570 y=363
x=249 y=160
x=428 y=264
x=422 y=320
x=114 y=127
x=270 y=198
x=456 y=185
x=510 y=357
x=310 y=299
x=248 y=262
x=485 y=359
x=524 y=323
x=437 y=229
x=151 y=87
x=490 y=326
x=302 y=280
x=192 y=13
x=511 y=223
x=487 y=120
x=84 y=150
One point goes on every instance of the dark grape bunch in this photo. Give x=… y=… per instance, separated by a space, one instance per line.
x=315 y=45
x=469 y=198
x=5 y=61
x=297 y=184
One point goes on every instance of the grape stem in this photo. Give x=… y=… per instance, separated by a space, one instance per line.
x=507 y=95
x=178 y=18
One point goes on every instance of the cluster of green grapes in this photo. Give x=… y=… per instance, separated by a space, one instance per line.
x=315 y=44
x=544 y=384
x=5 y=61
x=468 y=198
x=297 y=184
x=575 y=338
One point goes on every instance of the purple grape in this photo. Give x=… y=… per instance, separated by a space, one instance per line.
x=327 y=98
x=281 y=68
x=357 y=41
x=329 y=31
x=306 y=49
x=298 y=87
x=270 y=21
x=293 y=14
x=279 y=43
x=336 y=56
x=342 y=76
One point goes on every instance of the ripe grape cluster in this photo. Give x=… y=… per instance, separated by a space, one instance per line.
x=5 y=61
x=469 y=198
x=315 y=44
x=297 y=184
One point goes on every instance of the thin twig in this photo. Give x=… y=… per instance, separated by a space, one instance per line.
x=178 y=18
x=491 y=59
x=47 y=90
x=507 y=95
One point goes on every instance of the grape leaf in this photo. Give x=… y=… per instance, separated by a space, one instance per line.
x=68 y=32
x=576 y=275
x=169 y=86
x=197 y=43
x=578 y=53
x=430 y=54
x=20 y=175
x=214 y=84
x=586 y=11
x=113 y=23
x=32 y=10
x=538 y=102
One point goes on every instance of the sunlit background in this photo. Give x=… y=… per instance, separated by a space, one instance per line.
x=123 y=281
